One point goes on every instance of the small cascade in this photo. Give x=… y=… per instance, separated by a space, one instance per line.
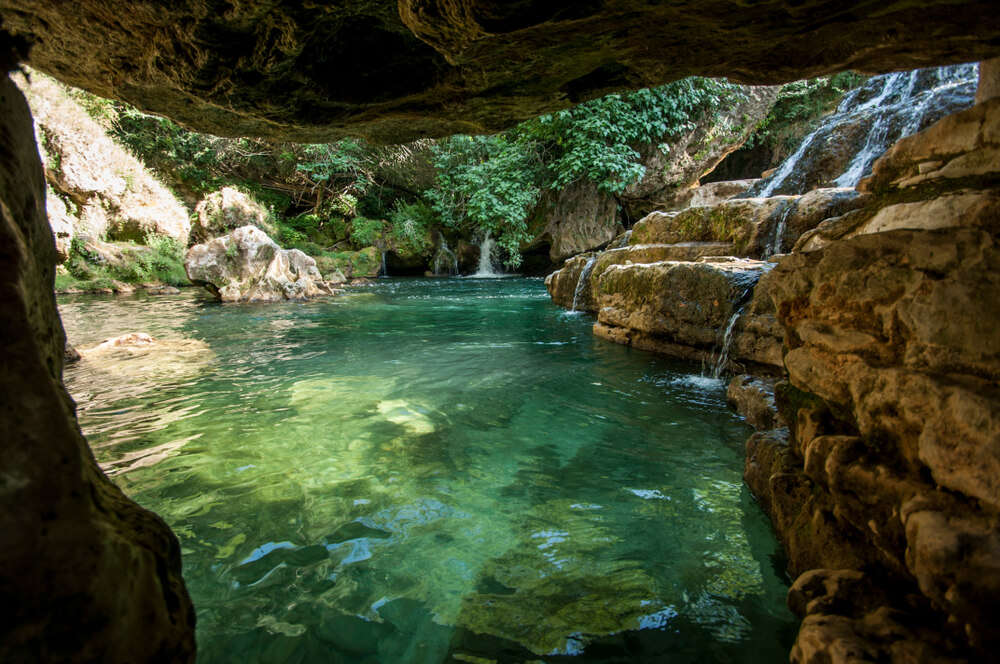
x=727 y=341
x=485 y=269
x=778 y=236
x=582 y=281
x=886 y=108
x=445 y=261
x=384 y=270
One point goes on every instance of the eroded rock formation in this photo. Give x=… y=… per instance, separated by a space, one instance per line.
x=893 y=365
x=397 y=71
x=88 y=575
x=248 y=266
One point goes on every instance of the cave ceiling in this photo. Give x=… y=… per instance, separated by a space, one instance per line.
x=397 y=70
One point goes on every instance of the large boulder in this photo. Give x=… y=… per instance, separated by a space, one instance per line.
x=248 y=266
x=408 y=69
x=88 y=575
x=567 y=290
x=226 y=210
x=113 y=194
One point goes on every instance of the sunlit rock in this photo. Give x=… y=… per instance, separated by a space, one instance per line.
x=248 y=266
x=224 y=211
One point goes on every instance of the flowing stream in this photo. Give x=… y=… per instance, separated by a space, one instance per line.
x=433 y=471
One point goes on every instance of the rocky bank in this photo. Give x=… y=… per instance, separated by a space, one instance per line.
x=878 y=454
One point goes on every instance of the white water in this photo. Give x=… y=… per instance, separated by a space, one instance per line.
x=727 y=341
x=581 y=283
x=446 y=257
x=774 y=244
x=896 y=108
x=485 y=269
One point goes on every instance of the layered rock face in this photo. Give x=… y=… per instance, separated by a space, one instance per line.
x=878 y=456
x=97 y=189
x=248 y=266
x=400 y=70
x=639 y=305
x=88 y=575
x=888 y=477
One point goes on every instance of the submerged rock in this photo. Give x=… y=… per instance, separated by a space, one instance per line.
x=248 y=266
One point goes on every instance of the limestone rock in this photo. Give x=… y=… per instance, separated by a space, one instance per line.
x=682 y=304
x=226 y=210
x=745 y=222
x=562 y=284
x=61 y=223
x=758 y=337
x=848 y=618
x=419 y=68
x=114 y=193
x=674 y=165
x=70 y=535
x=713 y=193
x=753 y=398
x=893 y=362
x=248 y=266
x=578 y=218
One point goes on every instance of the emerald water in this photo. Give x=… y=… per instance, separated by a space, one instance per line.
x=447 y=470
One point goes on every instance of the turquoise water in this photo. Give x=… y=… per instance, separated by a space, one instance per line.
x=446 y=470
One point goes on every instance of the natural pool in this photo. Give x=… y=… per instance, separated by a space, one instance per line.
x=447 y=470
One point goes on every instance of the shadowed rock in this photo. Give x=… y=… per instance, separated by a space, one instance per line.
x=400 y=70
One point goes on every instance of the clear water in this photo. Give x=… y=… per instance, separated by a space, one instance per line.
x=445 y=470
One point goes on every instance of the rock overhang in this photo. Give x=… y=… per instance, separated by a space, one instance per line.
x=397 y=70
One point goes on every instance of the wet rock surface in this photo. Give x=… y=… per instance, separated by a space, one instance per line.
x=88 y=574
x=410 y=69
x=248 y=266
x=892 y=403
x=682 y=304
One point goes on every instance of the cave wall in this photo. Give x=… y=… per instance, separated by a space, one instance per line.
x=398 y=70
x=88 y=575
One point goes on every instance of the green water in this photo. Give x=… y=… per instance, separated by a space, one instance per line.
x=430 y=471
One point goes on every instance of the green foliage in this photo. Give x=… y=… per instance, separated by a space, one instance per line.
x=597 y=140
x=410 y=226
x=366 y=232
x=161 y=259
x=487 y=184
x=799 y=106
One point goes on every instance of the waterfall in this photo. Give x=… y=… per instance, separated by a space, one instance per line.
x=774 y=244
x=727 y=341
x=383 y=271
x=485 y=269
x=582 y=281
x=886 y=108
x=445 y=255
